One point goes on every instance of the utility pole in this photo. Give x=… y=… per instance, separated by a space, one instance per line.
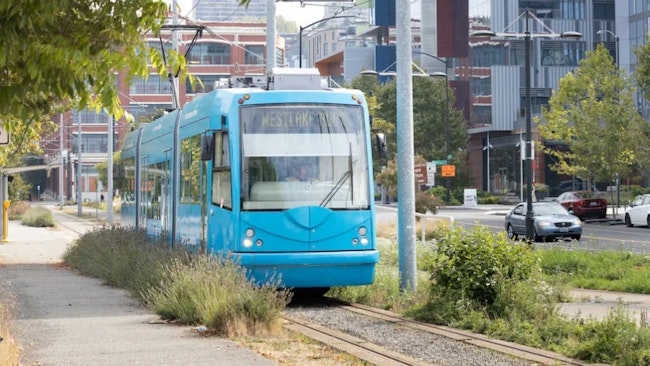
x=405 y=150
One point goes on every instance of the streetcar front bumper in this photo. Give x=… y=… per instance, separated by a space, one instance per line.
x=312 y=269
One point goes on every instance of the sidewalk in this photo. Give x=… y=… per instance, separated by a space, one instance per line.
x=63 y=318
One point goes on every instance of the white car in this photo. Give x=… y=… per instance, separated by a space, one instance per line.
x=638 y=212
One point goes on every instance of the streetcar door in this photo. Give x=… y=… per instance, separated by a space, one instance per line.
x=207 y=150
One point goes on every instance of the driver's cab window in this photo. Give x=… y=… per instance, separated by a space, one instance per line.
x=221 y=182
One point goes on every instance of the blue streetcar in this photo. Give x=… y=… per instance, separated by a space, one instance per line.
x=278 y=177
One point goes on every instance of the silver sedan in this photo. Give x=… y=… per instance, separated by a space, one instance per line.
x=551 y=221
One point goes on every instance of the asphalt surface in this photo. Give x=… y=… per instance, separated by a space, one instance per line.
x=63 y=318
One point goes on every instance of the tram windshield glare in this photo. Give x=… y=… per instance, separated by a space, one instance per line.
x=303 y=155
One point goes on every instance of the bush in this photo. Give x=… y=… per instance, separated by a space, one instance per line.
x=17 y=210
x=427 y=202
x=473 y=267
x=190 y=287
x=37 y=217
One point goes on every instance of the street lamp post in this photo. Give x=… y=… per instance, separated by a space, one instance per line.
x=447 y=147
x=616 y=40
x=530 y=219
x=309 y=25
x=79 y=191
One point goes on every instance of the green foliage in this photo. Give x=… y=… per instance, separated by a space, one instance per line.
x=283 y=25
x=614 y=271
x=594 y=114
x=79 y=66
x=192 y=288
x=474 y=266
x=19 y=189
x=615 y=340
x=37 y=217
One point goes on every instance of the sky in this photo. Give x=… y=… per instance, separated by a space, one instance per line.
x=313 y=11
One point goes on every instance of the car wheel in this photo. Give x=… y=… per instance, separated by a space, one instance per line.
x=511 y=232
x=628 y=222
x=648 y=221
x=577 y=237
x=537 y=237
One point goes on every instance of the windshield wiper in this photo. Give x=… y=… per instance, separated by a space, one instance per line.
x=336 y=188
x=341 y=181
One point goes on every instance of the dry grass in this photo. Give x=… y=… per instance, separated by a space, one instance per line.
x=432 y=227
x=9 y=348
x=293 y=349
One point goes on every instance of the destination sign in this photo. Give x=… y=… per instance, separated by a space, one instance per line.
x=302 y=119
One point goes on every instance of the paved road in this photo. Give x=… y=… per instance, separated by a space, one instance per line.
x=67 y=319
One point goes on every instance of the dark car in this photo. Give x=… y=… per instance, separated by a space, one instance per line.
x=551 y=221
x=584 y=204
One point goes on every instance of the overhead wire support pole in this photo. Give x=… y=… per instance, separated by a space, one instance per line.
x=405 y=151
x=530 y=219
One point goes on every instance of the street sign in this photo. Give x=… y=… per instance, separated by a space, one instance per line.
x=448 y=170
x=440 y=162
x=420 y=173
x=431 y=174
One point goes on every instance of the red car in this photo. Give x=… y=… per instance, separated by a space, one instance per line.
x=584 y=204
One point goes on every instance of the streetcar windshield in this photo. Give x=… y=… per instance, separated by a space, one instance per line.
x=303 y=155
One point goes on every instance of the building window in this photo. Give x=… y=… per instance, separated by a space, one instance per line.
x=91 y=143
x=90 y=116
x=154 y=84
x=254 y=55
x=210 y=54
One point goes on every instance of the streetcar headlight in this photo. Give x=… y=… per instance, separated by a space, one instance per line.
x=259 y=242
x=355 y=241
x=362 y=231
x=364 y=241
x=248 y=243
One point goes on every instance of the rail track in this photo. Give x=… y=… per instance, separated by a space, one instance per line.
x=377 y=354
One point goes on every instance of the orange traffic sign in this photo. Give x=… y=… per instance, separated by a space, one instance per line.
x=448 y=170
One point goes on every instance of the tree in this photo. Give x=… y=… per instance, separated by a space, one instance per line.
x=593 y=118
x=642 y=68
x=59 y=55
x=67 y=52
x=284 y=25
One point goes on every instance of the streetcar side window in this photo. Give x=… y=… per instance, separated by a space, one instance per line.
x=221 y=182
x=191 y=169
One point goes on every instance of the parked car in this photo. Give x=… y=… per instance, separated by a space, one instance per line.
x=638 y=211
x=584 y=204
x=551 y=221
x=577 y=184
